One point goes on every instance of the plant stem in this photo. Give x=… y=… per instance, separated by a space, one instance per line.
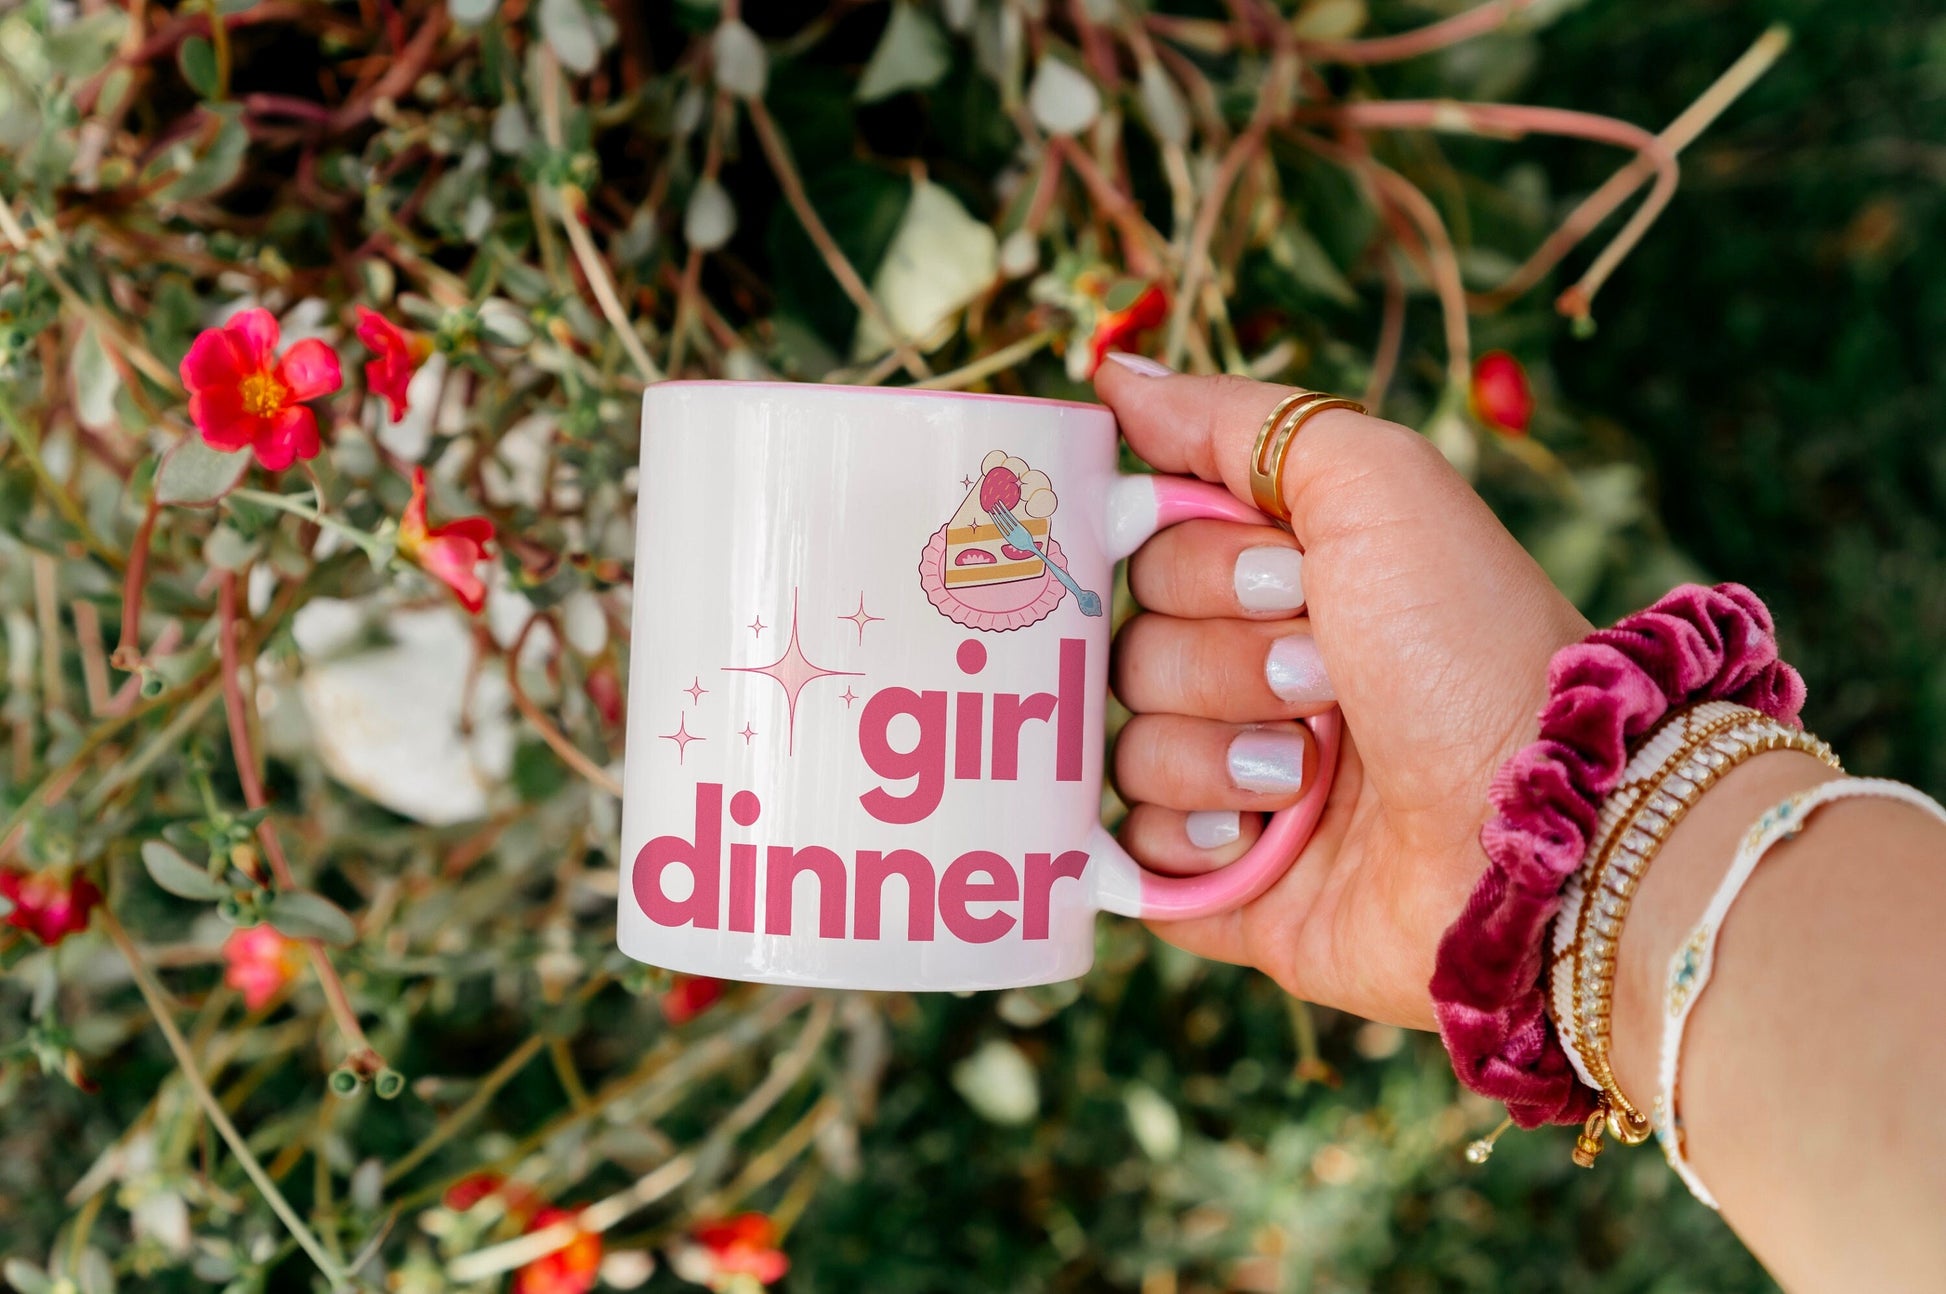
x=1473 y=22
x=778 y=153
x=987 y=365
x=363 y=1056
x=574 y=206
x=159 y=1008
x=451 y=1125
x=285 y=503
x=29 y=440
x=128 y=651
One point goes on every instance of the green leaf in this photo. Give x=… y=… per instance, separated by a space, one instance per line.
x=197 y=60
x=1297 y=249
x=911 y=55
x=193 y=474
x=1329 y=20
x=217 y=168
x=178 y=875
x=304 y=915
x=95 y=381
x=26 y=1277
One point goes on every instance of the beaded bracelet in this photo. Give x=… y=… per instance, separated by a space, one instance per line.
x=1605 y=695
x=1666 y=777
x=1690 y=966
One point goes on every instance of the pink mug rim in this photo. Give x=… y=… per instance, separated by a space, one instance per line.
x=907 y=391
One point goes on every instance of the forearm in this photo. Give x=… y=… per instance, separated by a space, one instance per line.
x=1814 y=1063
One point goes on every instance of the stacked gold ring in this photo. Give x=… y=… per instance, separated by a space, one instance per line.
x=1274 y=441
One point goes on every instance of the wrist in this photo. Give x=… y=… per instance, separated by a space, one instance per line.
x=1673 y=894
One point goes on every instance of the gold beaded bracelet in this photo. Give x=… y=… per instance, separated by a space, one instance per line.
x=1683 y=758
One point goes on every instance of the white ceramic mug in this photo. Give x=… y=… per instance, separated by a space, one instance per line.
x=868 y=678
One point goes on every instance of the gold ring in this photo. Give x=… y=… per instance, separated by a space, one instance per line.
x=1274 y=443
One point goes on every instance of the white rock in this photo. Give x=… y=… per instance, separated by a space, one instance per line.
x=1062 y=98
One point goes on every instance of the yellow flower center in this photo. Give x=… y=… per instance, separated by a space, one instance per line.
x=263 y=395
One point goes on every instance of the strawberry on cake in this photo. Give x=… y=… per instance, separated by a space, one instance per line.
x=976 y=555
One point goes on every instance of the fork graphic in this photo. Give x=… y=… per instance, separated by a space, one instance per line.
x=1017 y=535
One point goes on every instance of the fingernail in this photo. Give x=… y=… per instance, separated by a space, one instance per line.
x=1213 y=828
x=1269 y=579
x=1140 y=364
x=1271 y=762
x=1295 y=670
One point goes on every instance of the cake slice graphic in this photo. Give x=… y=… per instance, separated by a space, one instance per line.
x=976 y=553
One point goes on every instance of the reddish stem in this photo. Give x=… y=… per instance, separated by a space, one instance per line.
x=128 y=649
x=363 y=1057
x=1420 y=40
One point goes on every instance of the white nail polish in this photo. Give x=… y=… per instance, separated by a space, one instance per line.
x=1269 y=578
x=1141 y=364
x=1213 y=828
x=1295 y=670
x=1267 y=761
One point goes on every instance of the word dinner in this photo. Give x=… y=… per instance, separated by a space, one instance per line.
x=966 y=735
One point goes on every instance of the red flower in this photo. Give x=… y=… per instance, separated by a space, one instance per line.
x=48 y=905
x=1119 y=329
x=258 y=963
x=604 y=688
x=568 y=1270
x=242 y=395
x=690 y=997
x=521 y=1201
x=396 y=354
x=1501 y=395
x=745 y=1245
x=448 y=553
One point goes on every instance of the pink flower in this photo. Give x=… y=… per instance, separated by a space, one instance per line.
x=689 y=997
x=258 y=963
x=745 y=1245
x=396 y=354
x=242 y=395
x=569 y=1270
x=448 y=553
x=49 y=905
x=1501 y=396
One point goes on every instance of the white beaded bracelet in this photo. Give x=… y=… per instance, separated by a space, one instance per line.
x=1690 y=966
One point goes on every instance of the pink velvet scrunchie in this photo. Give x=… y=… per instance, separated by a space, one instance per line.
x=1605 y=694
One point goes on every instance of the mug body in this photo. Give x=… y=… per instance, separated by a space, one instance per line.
x=865 y=722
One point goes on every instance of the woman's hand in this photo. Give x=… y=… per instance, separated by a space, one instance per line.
x=1427 y=624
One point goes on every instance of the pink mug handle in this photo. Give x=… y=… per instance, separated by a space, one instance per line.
x=1138 y=506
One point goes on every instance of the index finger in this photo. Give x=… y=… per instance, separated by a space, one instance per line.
x=1207 y=427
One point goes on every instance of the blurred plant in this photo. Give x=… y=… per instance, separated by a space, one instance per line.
x=526 y=212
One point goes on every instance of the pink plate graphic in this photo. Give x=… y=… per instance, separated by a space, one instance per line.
x=993 y=608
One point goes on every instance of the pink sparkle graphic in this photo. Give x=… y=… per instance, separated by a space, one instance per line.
x=793 y=672
x=861 y=618
x=966 y=482
x=682 y=737
x=747 y=733
x=757 y=627
x=847 y=696
x=695 y=689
